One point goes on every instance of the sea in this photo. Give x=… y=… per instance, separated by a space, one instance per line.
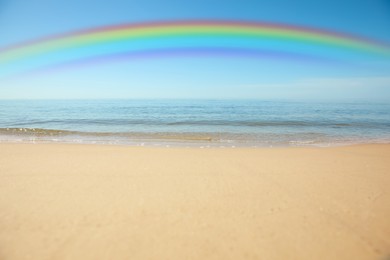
x=194 y=123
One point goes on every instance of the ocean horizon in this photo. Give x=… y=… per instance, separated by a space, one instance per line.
x=199 y=123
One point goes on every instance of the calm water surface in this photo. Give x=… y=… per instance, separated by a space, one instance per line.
x=200 y=123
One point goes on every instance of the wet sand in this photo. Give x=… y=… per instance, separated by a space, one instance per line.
x=61 y=201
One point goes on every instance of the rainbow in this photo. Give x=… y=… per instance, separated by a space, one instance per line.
x=246 y=38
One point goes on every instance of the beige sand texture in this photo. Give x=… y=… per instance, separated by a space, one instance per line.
x=60 y=201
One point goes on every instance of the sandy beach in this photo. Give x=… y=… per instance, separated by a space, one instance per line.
x=60 y=201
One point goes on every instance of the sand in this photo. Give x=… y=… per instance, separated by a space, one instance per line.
x=60 y=201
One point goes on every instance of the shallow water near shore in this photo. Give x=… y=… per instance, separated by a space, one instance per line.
x=199 y=123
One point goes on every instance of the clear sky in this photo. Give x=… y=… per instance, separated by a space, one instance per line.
x=204 y=76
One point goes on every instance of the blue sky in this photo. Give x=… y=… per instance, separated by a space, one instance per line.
x=199 y=77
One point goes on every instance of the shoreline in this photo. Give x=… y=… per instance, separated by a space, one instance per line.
x=203 y=139
x=77 y=201
x=180 y=144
